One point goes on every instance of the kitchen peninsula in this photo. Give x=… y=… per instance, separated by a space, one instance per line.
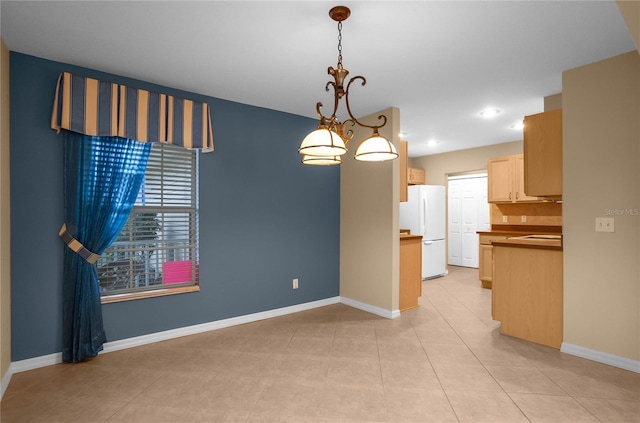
x=502 y=232
x=527 y=288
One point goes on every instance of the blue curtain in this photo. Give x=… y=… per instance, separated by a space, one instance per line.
x=102 y=177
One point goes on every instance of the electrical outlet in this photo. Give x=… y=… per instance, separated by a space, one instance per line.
x=605 y=224
x=295 y=283
x=505 y=219
x=523 y=219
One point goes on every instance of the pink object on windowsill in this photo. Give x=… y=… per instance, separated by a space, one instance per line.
x=177 y=272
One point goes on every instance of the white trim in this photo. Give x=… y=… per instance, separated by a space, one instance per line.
x=601 y=357
x=218 y=324
x=51 y=359
x=5 y=381
x=371 y=309
x=36 y=362
x=28 y=364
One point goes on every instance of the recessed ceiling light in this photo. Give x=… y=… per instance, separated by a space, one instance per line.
x=490 y=113
x=432 y=143
x=517 y=125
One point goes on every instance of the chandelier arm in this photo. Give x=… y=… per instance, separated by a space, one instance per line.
x=335 y=98
x=348 y=134
x=353 y=118
x=319 y=113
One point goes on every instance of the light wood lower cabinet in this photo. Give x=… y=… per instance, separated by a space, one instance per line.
x=485 y=263
x=410 y=271
x=527 y=293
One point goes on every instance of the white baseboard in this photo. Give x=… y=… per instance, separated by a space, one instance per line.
x=6 y=378
x=35 y=363
x=371 y=309
x=601 y=357
x=28 y=364
x=51 y=359
x=218 y=324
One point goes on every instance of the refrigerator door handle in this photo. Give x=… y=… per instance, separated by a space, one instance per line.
x=425 y=214
x=427 y=242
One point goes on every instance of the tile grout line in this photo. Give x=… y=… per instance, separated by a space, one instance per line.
x=477 y=358
x=534 y=365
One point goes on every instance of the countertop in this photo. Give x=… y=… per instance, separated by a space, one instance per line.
x=526 y=242
x=518 y=236
x=409 y=236
x=521 y=230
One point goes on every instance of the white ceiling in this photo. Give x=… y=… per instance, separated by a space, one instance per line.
x=440 y=62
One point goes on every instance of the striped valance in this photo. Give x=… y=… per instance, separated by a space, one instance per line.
x=93 y=107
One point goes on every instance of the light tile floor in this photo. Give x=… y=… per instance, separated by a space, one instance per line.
x=442 y=362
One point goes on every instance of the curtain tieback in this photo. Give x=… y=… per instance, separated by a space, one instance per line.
x=77 y=246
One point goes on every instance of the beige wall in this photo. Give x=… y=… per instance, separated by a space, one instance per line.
x=369 y=241
x=5 y=222
x=630 y=10
x=438 y=166
x=553 y=102
x=601 y=160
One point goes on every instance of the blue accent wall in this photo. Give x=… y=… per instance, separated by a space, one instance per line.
x=264 y=218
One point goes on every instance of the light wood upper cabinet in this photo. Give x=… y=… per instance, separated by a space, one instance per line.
x=506 y=180
x=500 y=178
x=543 y=154
x=416 y=176
x=519 y=181
x=408 y=175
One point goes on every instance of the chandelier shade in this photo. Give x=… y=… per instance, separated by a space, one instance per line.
x=322 y=142
x=376 y=149
x=322 y=160
x=328 y=141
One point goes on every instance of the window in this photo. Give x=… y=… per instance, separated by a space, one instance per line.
x=158 y=246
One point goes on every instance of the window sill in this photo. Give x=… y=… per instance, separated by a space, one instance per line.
x=148 y=294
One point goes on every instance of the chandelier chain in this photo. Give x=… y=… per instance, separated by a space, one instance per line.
x=340 y=45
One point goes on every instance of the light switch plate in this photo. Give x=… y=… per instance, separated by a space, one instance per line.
x=605 y=224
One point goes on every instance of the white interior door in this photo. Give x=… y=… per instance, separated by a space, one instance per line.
x=454 y=221
x=468 y=212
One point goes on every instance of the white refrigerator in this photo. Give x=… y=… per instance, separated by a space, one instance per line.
x=424 y=214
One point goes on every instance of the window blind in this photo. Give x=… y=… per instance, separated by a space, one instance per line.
x=158 y=246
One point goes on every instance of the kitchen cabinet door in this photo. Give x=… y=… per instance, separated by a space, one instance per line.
x=416 y=176
x=543 y=154
x=485 y=269
x=500 y=177
x=410 y=272
x=520 y=195
x=506 y=180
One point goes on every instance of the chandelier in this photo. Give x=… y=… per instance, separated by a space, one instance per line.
x=327 y=143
